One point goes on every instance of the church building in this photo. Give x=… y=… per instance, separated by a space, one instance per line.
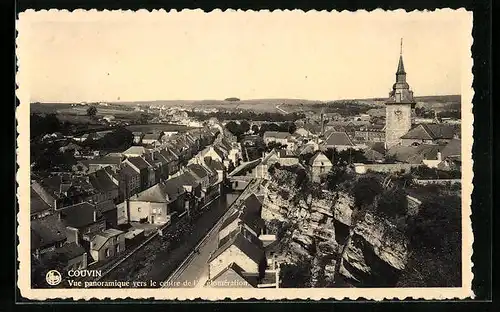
x=398 y=118
x=398 y=107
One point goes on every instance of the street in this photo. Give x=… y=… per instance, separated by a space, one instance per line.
x=162 y=255
x=194 y=271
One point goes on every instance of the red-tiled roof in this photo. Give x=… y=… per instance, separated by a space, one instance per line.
x=338 y=139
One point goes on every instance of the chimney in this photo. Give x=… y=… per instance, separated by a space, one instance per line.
x=95 y=214
x=439 y=156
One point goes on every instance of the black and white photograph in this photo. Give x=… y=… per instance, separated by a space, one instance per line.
x=182 y=155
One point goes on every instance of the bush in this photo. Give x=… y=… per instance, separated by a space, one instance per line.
x=365 y=190
x=296 y=275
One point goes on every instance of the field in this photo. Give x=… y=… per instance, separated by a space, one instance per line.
x=125 y=109
x=157 y=127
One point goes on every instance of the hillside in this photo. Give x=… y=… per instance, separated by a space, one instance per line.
x=439 y=102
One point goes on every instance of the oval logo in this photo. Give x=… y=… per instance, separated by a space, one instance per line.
x=53 y=277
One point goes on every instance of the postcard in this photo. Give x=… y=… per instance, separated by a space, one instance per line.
x=187 y=155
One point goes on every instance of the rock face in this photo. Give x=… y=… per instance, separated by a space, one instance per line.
x=371 y=252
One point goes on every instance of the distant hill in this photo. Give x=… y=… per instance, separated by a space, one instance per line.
x=438 y=102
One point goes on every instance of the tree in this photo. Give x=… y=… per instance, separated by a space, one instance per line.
x=92 y=111
x=365 y=190
x=296 y=275
x=291 y=128
x=392 y=203
x=244 y=126
x=255 y=129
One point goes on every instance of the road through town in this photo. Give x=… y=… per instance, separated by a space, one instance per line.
x=193 y=271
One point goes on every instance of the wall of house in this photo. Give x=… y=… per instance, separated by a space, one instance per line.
x=319 y=171
x=79 y=262
x=121 y=213
x=233 y=254
x=98 y=226
x=288 y=161
x=228 y=229
x=111 y=217
x=410 y=142
x=139 y=210
x=437 y=181
x=115 y=245
x=363 y=168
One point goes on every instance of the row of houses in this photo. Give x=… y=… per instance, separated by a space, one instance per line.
x=83 y=216
x=242 y=258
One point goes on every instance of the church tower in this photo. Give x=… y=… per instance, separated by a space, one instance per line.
x=398 y=107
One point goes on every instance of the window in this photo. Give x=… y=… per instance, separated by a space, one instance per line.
x=117 y=248
x=138 y=209
x=108 y=253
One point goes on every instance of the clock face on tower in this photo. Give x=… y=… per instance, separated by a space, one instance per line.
x=398 y=113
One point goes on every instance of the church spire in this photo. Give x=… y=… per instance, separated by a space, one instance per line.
x=401 y=67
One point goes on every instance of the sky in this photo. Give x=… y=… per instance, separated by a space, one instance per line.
x=190 y=55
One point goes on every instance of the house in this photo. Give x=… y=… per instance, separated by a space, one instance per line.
x=130 y=181
x=134 y=151
x=282 y=157
x=152 y=138
x=47 y=234
x=303 y=132
x=337 y=140
x=137 y=137
x=240 y=247
x=212 y=152
x=427 y=154
x=233 y=276
x=146 y=172
x=172 y=161
x=429 y=134
x=70 y=255
x=159 y=163
x=107 y=244
x=82 y=221
x=451 y=156
x=201 y=174
x=248 y=217
x=194 y=196
x=372 y=133
x=109 y=212
x=39 y=207
x=153 y=205
x=319 y=166
x=102 y=162
x=276 y=137
x=105 y=184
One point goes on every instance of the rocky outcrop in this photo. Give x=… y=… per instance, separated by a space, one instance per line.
x=370 y=252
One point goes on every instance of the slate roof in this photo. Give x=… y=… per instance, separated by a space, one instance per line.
x=106 y=206
x=213 y=164
x=276 y=134
x=188 y=179
x=174 y=187
x=253 y=205
x=453 y=148
x=138 y=162
x=166 y=154
x=128 y=170
x=198 y=170
x=112 y=160
x=155 y=194
x=252 y=221
x=315 y=157
x=47 y=231
x=138 y=150
x=415 y=154
x=101 y=181
x=244 y=242
x=66 y=252
x=80 y=215
x=102 y=237
x=338 y=139
x=250 y=278
x=430 y=132
x=37 y=203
